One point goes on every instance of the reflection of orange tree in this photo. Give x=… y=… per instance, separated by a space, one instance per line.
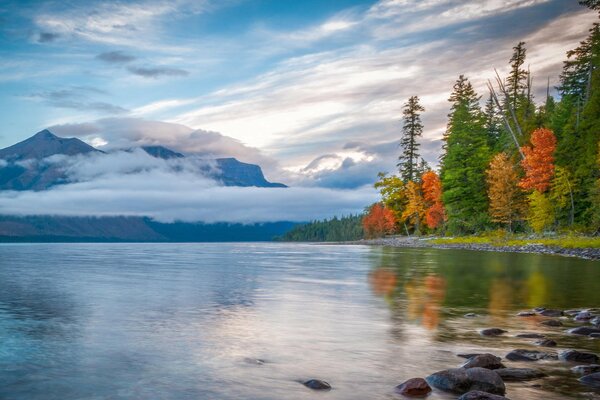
x=424 y=299
x=383 y=281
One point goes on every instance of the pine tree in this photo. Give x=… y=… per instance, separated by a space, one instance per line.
x=465 y=160
x=493 y=126
x=593 y=4
x=516 y=83
x=506 y=201
x=412 y=129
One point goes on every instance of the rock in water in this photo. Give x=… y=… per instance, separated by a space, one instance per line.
x=414 y=387
x=551 y=322
x=595 y=335
x=460 y=380
x=583 y=330
x=519 y=374
x=546 y=343
x=526 y=314
x=583 y=316
x=592 y=380
x=586 y=369
x=578 y=356
x=317 y=384
x=551 y=313
x=471 y=315
x=488 y=361
x=492 y=332
x=596 y=322
x=531 y=335
x=529 y=355
x=479 y=395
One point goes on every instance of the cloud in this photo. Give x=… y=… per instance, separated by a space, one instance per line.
x=115 y=57
x=157 y=72
x=47 y=37
x=77 y=98
x=136 y=184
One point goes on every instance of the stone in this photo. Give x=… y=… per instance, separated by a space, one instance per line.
x=256 y=361
x=526 y=314
x=583 y=330
x=572 y=313
x=469 y=355
x=479 y=395
x=551 y=313
x=488 y=361
x=545 y=343
x=583 y=316
x=551 y=322
x=595 y=321
x=519 y=374
x=461 y=380
x=414 y=387
x=529 y=355
x=317 y=384
x=492 y=332
x=594 y=335
x=578 y=356
x=531 y=335
x=592 y=380
x=539 y=309
x=586 y=369
x=471 y=315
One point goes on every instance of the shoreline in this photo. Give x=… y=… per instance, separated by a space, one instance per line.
x=413 y=242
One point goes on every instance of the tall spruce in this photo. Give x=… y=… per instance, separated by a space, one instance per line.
x=517 y=80
x=493 y=126
x=412 y=129
x=465 y=160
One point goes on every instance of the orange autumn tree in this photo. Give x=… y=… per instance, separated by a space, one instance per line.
x=415 y=205
x=431 y=185
x=539 y=161
x=506 y=203
x=379 y=221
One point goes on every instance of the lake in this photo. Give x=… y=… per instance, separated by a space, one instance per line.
x=191 y=321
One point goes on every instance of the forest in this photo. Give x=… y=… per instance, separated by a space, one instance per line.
x=509 y=161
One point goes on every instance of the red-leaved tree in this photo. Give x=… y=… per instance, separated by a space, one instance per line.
x=539 y=161
x=379 y=222
x=435 y=213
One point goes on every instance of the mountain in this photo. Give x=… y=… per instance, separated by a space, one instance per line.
x=22 y=166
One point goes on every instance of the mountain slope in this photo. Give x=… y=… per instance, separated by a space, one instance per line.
x=45 y=144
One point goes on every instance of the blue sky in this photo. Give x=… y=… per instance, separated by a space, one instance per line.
x=312 y=90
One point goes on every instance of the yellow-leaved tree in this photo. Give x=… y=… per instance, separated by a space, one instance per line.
x=506 y=200
x=541 y=211
x=415 y=206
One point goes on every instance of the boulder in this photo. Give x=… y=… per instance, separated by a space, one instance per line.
x=586 y=369
x=488 y=361
x=469 y=355
x=551 y=322
x=413 y=387
x=551 y=313
x=583 y=330
x=461 y=380
x=592 y=380
x=531 y=335
x=529 y=355
x=545 y=343
x=578 y=356
x=596 y=322
x=519 y=374
x=492 y=332
x=317 y=384
x=526 y=314
x=594 y=335
x=479 y=395
x=584 y=316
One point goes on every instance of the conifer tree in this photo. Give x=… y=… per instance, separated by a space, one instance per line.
x=516 y=83
x=465 y=160
x=412 y=129
x=493 y=126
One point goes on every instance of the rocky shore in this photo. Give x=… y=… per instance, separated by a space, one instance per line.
x=404 y=241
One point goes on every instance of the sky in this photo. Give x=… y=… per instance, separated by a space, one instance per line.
x=311 y=90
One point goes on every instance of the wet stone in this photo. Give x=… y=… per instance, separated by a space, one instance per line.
x=594 y=335
x=551 y=313
x=479 y=395
x=461 y=380
x=583 y=330
x=545 y=343
x=529 y=355
x=530 y=335
x=488 y=361
x=519 y=374
x=471 y=315
x=586 y=369
x=596 y=322
x=492 y=332
x=317 y=384
x=551 y=322
x=526 y=314
x=592 y=380
x=572 y=313
x=414 y=387
x=578 y=356
x=583 y=316
x=468 y=355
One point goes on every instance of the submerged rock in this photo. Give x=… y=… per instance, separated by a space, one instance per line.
x=492 y=332
x=594 y=335
x=479 y=395
x=471 y=315
x=529 y=355
x=578 y=356
x=519 y=374
x=551 y=322
x=317 y=384
x=551 y=313
x=526 y=314
x=583 y=316
x=531 y=335
x=572 y=313
x=595 y=322
x=461 y=380
x=583 y=330
x=488 y=361
x=586 y=369
x=469 y=355
x=413 y=387
x=545 y=343
x=592 y=380
x=256 y=361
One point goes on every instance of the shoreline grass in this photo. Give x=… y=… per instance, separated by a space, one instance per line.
x=567 y=242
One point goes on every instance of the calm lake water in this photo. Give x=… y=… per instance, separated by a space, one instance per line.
x=185 y=321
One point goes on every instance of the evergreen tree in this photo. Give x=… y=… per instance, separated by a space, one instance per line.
x=516 y=83
x=593 y=4
x=493 y=126
x=464 y=162
x=412 y=129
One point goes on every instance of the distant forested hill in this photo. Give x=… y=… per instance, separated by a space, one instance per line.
x=332 y=230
